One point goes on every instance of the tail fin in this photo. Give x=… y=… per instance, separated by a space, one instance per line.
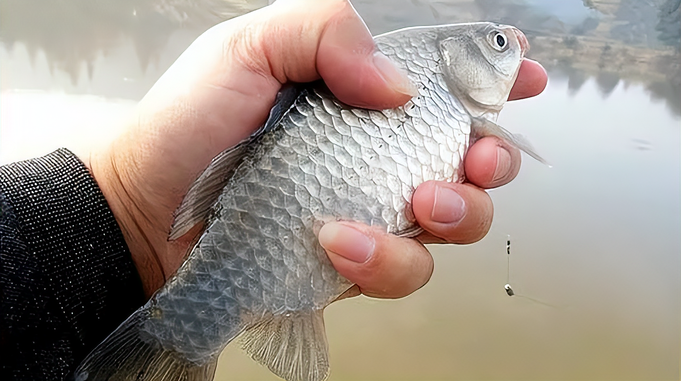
x=125 y=356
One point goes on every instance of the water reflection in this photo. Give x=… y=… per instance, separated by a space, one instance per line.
x=75 y=35
x=632 y=40
x=597 y=235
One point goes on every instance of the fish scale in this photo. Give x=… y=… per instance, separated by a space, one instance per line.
x=311 y=124
x=258 y=268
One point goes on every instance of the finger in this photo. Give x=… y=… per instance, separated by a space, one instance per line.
x=531 y=81
x=382 y=265
x=333 y=42
x=355 y=71
x=453 y=212
x=240 y=65
x=491 y=162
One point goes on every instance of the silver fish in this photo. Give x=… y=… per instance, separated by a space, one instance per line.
x=258 y=270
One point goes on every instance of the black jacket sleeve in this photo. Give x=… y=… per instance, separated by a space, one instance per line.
x=66 y=275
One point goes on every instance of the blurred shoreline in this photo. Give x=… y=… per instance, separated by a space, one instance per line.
x=634 y=41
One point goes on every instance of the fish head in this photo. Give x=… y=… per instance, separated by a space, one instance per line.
x=480 y=63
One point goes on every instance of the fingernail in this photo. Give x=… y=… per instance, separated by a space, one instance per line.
x=394 y=76
x=346 y=241
x=503 y=165
x=448 y=207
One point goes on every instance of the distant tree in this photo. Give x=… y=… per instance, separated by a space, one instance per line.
x=589 y=4
x=669 y=24
x=636 y=22
x=589 y=24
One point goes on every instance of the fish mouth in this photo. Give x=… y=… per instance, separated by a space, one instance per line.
x=522 y=40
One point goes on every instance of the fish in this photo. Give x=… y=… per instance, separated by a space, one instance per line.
x=258 y=272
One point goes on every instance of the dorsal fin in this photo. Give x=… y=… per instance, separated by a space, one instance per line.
x=205 y=191
x=292 y=345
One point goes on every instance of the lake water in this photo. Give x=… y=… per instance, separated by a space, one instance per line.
x=596 y=238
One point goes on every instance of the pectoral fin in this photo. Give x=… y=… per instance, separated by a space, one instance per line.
x=481 y=127
x=205 y=191
x=292 y=345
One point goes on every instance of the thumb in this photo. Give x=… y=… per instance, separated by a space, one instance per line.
x=382 y=265
x=354 y=70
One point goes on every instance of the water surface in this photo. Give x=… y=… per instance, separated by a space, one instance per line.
x=596 y=239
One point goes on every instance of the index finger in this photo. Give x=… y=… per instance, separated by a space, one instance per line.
x=531 y=81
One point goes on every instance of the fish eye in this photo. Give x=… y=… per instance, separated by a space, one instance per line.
x=499 y=41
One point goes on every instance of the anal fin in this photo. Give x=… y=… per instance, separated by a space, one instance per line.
x=292 y=345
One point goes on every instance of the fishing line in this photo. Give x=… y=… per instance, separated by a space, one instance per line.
x=508 y=259
x=507 y=286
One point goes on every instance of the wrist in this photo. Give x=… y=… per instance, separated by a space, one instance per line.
x=135 y=227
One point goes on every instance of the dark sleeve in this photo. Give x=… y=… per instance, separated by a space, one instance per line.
x=66 y=275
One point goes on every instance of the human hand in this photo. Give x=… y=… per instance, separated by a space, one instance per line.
x=386 y=266
x=221 y=89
